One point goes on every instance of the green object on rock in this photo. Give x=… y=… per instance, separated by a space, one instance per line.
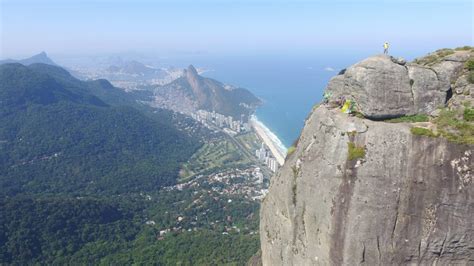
x=355 y=152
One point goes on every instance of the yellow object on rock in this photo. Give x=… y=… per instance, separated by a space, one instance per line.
x=346 y=108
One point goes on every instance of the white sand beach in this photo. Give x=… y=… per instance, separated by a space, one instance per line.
x=270 y=139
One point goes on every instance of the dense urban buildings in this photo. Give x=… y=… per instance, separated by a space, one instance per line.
x=221 y=121
x=265 y=155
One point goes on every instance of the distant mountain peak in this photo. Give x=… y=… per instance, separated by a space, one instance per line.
x=41 y=54
x=38 y=58
x=191 y=70
x=193 y=78
x=193 y=92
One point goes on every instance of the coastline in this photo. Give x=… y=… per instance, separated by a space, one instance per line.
x=270 y=139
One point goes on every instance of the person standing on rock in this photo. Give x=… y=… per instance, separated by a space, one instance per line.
x=385 y=48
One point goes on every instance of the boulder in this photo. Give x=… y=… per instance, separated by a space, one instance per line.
x=429 y=92
x=459 y=56
x=380 y=87
x=384 y=87
x=448 y=70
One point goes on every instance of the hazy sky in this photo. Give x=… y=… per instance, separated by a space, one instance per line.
x=230 y=27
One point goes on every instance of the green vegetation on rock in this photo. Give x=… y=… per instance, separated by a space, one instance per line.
x=410 y=119
x=421 y=131
x=438 y=55
x=470 y=77
x=291 y=150
x=464 y=48
x=470 y=67
x=468 y=114
x=452 y=125
x=456 y=127
x=355 y=152
x=470 y=64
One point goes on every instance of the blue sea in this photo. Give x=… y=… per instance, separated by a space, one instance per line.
x=289 y=85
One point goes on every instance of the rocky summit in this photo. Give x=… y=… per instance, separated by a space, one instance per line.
x=362 y=187
x=384 y=87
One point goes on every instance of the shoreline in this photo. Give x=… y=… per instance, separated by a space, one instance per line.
x=270 y=139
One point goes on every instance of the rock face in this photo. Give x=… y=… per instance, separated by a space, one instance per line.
x=407 y=199
x=385 y=87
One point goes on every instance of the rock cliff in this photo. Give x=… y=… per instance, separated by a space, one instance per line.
x=359 y=189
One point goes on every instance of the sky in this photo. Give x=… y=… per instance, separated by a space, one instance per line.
x=230 y=27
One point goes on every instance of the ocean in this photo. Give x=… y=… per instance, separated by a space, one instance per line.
x=288 y=85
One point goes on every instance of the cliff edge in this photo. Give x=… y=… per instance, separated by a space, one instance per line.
x=364 y=188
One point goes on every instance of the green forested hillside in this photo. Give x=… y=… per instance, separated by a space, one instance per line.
x=53 y=229
x=82 y=167
x=55 y=140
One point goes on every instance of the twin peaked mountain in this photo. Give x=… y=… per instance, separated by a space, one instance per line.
x=192 y=92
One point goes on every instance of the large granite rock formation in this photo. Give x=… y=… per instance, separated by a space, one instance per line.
x=385 y=87
x=403 y=199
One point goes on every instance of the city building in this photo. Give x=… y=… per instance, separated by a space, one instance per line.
x=264 y=155
x=221 y=121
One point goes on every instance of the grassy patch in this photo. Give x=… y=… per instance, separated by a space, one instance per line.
x=455 y=129
x=470 y=64
x=420 y=131
x=438 y=55
x=359 y=114
x=409 y=119
x=352 y=133
x=355 y=152
x=249 y=141
x=291 y=150
x=468 y=114
x=427 y=60
x=444 y=52
x=464 y=48
x=220 y=154
x=316 y=106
